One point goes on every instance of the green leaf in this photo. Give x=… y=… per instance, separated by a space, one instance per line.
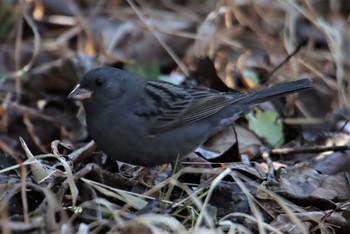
x=7 y=19
x=149 y=69
x=251 y=76
x=266 y=125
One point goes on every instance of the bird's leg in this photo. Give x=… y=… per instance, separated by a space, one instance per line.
x=176 y=166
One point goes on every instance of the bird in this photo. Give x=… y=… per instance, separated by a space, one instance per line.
x=151 y=122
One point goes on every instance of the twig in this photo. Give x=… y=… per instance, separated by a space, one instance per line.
x=311 y=149
x=160 y=40
x=285 y=60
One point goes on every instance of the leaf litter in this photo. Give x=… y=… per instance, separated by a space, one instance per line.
x=288 y=173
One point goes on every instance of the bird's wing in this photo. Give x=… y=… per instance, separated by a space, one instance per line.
x=169 y=105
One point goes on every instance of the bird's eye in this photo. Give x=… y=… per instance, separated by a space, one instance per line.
x=99 y=81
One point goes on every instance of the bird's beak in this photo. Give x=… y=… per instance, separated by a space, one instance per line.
x=79 y=93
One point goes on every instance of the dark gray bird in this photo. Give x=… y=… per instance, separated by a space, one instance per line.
x=147 y=122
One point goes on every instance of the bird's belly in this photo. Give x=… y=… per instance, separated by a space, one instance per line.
x=140 y=148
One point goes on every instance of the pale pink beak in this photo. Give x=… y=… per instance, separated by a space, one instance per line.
x=79 y=93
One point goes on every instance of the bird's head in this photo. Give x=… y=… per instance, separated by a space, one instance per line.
x=104 y=84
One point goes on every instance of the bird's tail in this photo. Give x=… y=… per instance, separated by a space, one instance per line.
x=276 y=91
